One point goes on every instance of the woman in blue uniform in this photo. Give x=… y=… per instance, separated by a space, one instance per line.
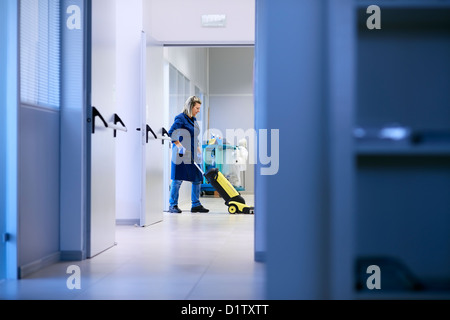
x=184 y=133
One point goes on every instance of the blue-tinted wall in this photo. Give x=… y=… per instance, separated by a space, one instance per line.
x=8 y=138
x=3 y=78
x=340 y=203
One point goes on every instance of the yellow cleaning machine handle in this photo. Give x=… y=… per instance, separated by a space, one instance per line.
x=226 y=185
x=221 y=184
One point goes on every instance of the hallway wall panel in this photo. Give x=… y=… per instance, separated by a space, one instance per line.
x=39 y=187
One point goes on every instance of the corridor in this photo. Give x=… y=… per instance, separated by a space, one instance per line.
x=191 y=256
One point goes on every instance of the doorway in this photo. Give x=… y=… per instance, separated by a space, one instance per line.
x=223 y=76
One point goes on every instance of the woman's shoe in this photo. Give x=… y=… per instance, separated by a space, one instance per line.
x=199 y=209
x=174 y=209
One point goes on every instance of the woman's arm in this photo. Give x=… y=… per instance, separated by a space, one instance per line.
x=177 y=124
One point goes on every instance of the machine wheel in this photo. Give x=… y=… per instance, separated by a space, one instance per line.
x=232 y=209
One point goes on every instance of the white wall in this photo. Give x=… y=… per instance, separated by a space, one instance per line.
x=179 y=21
x=192 y=62
x=231 y=95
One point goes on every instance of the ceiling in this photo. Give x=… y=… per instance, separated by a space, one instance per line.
x=179 y=22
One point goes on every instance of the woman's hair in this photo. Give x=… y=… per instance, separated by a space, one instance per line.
x=189 y=104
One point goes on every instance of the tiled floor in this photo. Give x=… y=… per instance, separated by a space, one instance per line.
x=188 y=256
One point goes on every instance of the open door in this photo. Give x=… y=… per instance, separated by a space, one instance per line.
x=106 y=126
x=152 y=112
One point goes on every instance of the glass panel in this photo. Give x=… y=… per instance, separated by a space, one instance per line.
x=40 y=61
x=180 y=91
x=187 y=89
x=173 y=93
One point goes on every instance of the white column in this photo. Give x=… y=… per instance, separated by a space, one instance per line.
x=291 y=94
x=128 y=92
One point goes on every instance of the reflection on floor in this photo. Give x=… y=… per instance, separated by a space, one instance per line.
x=188 y=256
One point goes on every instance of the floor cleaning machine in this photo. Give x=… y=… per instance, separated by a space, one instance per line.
x=233 y=199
